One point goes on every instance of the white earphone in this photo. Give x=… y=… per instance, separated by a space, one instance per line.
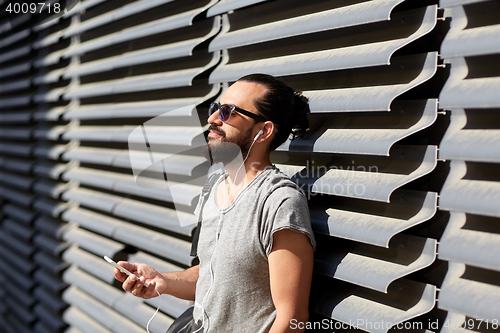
x=257 y=136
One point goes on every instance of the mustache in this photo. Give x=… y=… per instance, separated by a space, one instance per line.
x=217 y=130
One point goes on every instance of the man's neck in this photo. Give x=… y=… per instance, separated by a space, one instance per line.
x=247 y=172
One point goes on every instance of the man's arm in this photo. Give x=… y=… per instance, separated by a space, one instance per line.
x=290 y=268
x=179 y=284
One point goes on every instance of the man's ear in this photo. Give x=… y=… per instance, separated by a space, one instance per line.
x=267 y=131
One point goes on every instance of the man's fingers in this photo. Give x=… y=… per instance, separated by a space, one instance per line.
x=128 y=266
x=129 y=283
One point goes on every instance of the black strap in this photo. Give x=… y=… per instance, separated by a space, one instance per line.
x=204 y=195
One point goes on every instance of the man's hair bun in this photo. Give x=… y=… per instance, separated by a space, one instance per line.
x=286 y=108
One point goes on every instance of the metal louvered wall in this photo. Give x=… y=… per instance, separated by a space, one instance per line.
x=404 y=145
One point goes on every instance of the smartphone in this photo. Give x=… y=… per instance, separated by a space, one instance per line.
x=123 y=270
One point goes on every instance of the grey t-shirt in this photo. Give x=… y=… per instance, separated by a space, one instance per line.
x=240 y=296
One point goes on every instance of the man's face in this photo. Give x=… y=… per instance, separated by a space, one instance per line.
x=226 y=140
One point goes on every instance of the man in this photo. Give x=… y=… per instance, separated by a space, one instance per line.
x=256 y=243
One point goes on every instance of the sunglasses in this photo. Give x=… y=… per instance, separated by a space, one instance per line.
x=225 y=111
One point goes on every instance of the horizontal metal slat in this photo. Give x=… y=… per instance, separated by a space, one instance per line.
x=92 y=242
x=180 y=193
x=50 y=299
x=21 y=280
x=175 y=107
x=86 y=324
x=365 y=184
x=21 y=264
x=466 y=296
x=103 y=314
x=114 y=15
x=127 y=304
x=133 y=308
x=20 y=214
x=104 y=225
x=21 y=248
x=48 y=317
x=53 y=170
x=357 y=14
x=372 y=268
x=147 y=29
x=50 y=226
x=89 y=263
x=166 y=135
x=16 y=133
x=50 y=263
x=50 y=245
x=469 y=196
x=15 y=164
x=450 y=3
x=19 y=197
x=154 y=242
x=365 y=55
x=51 y=207
x=14 y=38
x=472 y=247
x=372 y=228
x=94 y=199
x=23 y=314
x=463 y=42
x=228 y=5
x=15 y=101
x=16 y=180
x=51 y=95
x=49 y=40
x=21 y=231
x=158 y=53
x=16 y=117
x=461 y=93
x=173 y=79
x=22 y=296
x=49 y=281
x=49 y=77
x=52 y=188
x=19 y=149
x=15 y=70
x=360 y=308
x=371 y=98
x=17 y=53
x=459 y=143
x=82 y=6
x=341 y=138
x=158 y=264
x=96 y=288
x=153 y=215
x=49 y=59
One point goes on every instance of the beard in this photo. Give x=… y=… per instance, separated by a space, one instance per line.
x=228 y=149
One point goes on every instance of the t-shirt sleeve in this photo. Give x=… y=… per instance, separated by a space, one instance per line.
x=285 y=208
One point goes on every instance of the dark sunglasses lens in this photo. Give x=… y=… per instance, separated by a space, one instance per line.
x=212 y=109
x=224 y=112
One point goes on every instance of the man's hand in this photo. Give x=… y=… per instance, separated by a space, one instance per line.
x=141 y=273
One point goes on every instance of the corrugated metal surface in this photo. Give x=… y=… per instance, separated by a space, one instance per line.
x=102 y=112
x=470 y=243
